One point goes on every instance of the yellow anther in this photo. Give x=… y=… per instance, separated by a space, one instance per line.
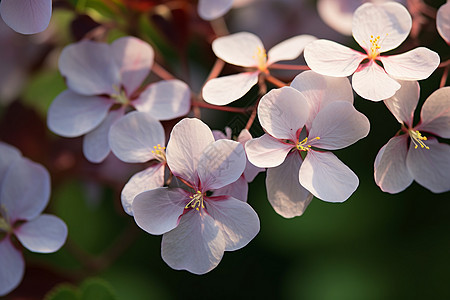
x=417 y=139
x=196 y=202
x=302 y=146
x=159 y=153
x=120 y=95
x=374 y=47
x=4 y=224
x=261 y=58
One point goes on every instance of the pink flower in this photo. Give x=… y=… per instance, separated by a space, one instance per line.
x=415 y=155
x=312 y=115
x=198 y=228
x=377 y=28
x=246 y=50
x=24 y=193
x=213 y=9
x=26 y=16
x=136 y=138
x=104 y=80
x=443 y=21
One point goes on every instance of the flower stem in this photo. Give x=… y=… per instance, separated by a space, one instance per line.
x=289 y=67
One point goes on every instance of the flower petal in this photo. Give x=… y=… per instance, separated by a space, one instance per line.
x=251 y=170
x=196 y=244
x=326 y=177
x=165 y=100
x=237 y=189
x=338 y=125
x=390 y=171
x=89 y=68
x=134 y=59
x=45 y=234
x=150 y=178
x=284 y=191
x=237 y=220
x=435 y=114
x=282 y=112
x=209 y=10
x=338 y=14
x=429 y=167
x=157 y=211
x=25 y=190
x=390 y=21
x=266 y=151
x=332 y=59
x=403 y=104
x=289 y=49
x=8 y=154
x=96 y=143
x=26 y=16
x=239 y=49
x=224 y=90
x=188 y=140
x=320 y=90
x=133 y=137
x=72 y=115
x=443 y=21
x=13 y=267
x=371 y=82
x=221 y=163
x=416 y=64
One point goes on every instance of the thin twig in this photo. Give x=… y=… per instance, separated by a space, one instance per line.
x=289 y=67
x=161 y=72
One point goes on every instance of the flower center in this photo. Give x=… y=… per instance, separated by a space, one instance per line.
x=120 y=95
x=303 y=145
x=374 y=50
x=4 y=224
x=418 y=139
x=159 y=153
x=261 y=58
x=196 y=202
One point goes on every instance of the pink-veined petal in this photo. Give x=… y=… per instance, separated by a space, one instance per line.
x=239 y=49
x=320 y=90
x=133 y=137
x=72 y=115
x=282 y=112
x=165 y=100
x=237 y=220
x=371 y=82
x=251 y=170
x=416 y=64
x=326 y=177
x=237 y=189
x=45 y=234
x=26 y=16
x=157 y=211
x=338 y=125
x=96 y=142
x=266 y=151
x=8 y=154
x=134 y=58
x=196 y=244
x=89 y=68
x=221 y=163
x=403 y=104
x=390 y=171
x=284 y=191
x=188 y=140
x=332 y=59
x=430 y=167
x=212 y=9
x=13 y=267
x=443 y=21
x=150 y=178
x=390 y=21
x=435 y=114
x=289 y=49
x=226 y=89
x=25 y=190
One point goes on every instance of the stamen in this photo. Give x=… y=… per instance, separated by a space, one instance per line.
x=196 y=202
x=417 y=138
x=302 y=146
x=120 y=95
x=159 y=153
x=374 y=50
x=4 y=224
x=261 y=58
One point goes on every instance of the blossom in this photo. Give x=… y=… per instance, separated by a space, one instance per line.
x=136 y=138
x=314 y=114
x=213 y=9
x=443 y=21
x=103 y=81
x=415 y=155
x=198 y=228
x=239 y=188
x=26 y=16
x=377 y=28
x=24 y=193
x=246 y=50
